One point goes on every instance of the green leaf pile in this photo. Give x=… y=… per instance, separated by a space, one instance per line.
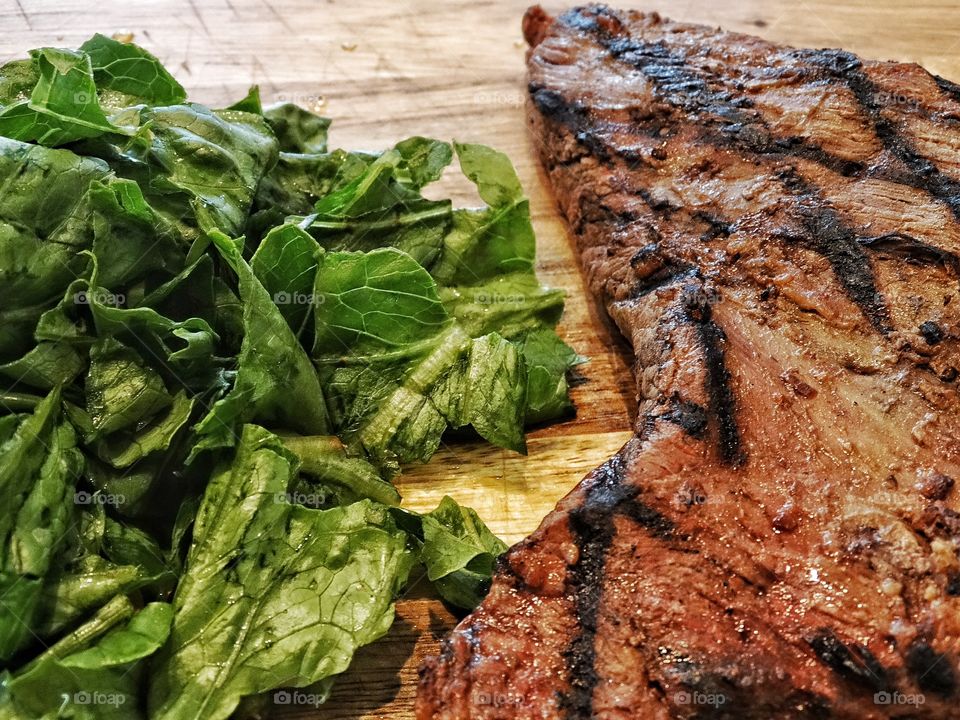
x=219 y=342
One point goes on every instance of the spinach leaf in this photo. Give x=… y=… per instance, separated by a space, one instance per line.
x=99 y=681
x=548 y=359
x=198 y=168
x=39 y=465
x=285 y=263
x=325 y=459
x=298 y=131
x=272 y=368
x=129 y=69
x=43 y=221
x=63 y=105
x=122 y=390
x=457 y=549
x=381 y=302
x=400 y=369
x=382 y=206
x=274 y=594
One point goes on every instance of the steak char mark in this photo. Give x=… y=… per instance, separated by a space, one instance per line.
x=777 y=233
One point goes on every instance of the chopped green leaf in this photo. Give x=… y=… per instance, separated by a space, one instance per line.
x=274 y=594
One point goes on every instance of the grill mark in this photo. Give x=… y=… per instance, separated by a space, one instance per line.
x=689 y=416
x=829 y=236
x=573 y=116
x=950 y=89
x=594 y=531
x=854 y=663
x=667 y=275
x=722 y=403
x=922 y=173
x=932 y=671
x=932 y=332
x=912 y=250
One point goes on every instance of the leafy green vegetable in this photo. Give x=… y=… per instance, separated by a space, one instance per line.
x=274 y=594
x=325 y=460
x=381 y=302
x=286 y=265
x=122 y=391
x=272 y=368
x=298 y=130
x=456 y=548
x=171 y=274
x=63 y=105
x=39 y=465
x=128 y=69
x=458 y=552
x=98 y=681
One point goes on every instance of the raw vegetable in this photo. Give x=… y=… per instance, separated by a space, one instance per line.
x=219 y=342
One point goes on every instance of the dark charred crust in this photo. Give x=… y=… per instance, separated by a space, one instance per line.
x=953 y=584
x=688 y=415
x=950 y=89
x=655 y=522
x=827 y=235
x=940 y=521
x=716 y=226
x=503 y=568
x=593 y=532
x=756 y=138
x=931 y=332
x=920 y=173
x=574 y=117
x=660 y=206
x=912 y=250
x=852 y=662
x=932 y=671
x=935 y=486
x=643 y=255
x=717 y=379
x=694 y=678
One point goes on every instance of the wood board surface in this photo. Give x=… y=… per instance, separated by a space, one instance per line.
x=386 y=70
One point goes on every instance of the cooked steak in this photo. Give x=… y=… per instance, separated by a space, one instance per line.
x=777 y=232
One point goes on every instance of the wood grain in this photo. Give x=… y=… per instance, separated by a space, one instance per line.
x=386 y=70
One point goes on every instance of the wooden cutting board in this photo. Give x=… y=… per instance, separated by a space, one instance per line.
x=387 y=70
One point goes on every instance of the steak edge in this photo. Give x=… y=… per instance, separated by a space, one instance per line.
x=777 y=233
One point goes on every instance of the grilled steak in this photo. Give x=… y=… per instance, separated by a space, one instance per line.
x=777 y=232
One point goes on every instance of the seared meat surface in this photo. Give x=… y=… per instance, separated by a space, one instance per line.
x=777 y=232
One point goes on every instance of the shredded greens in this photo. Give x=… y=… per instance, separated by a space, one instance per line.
x=219 y=343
